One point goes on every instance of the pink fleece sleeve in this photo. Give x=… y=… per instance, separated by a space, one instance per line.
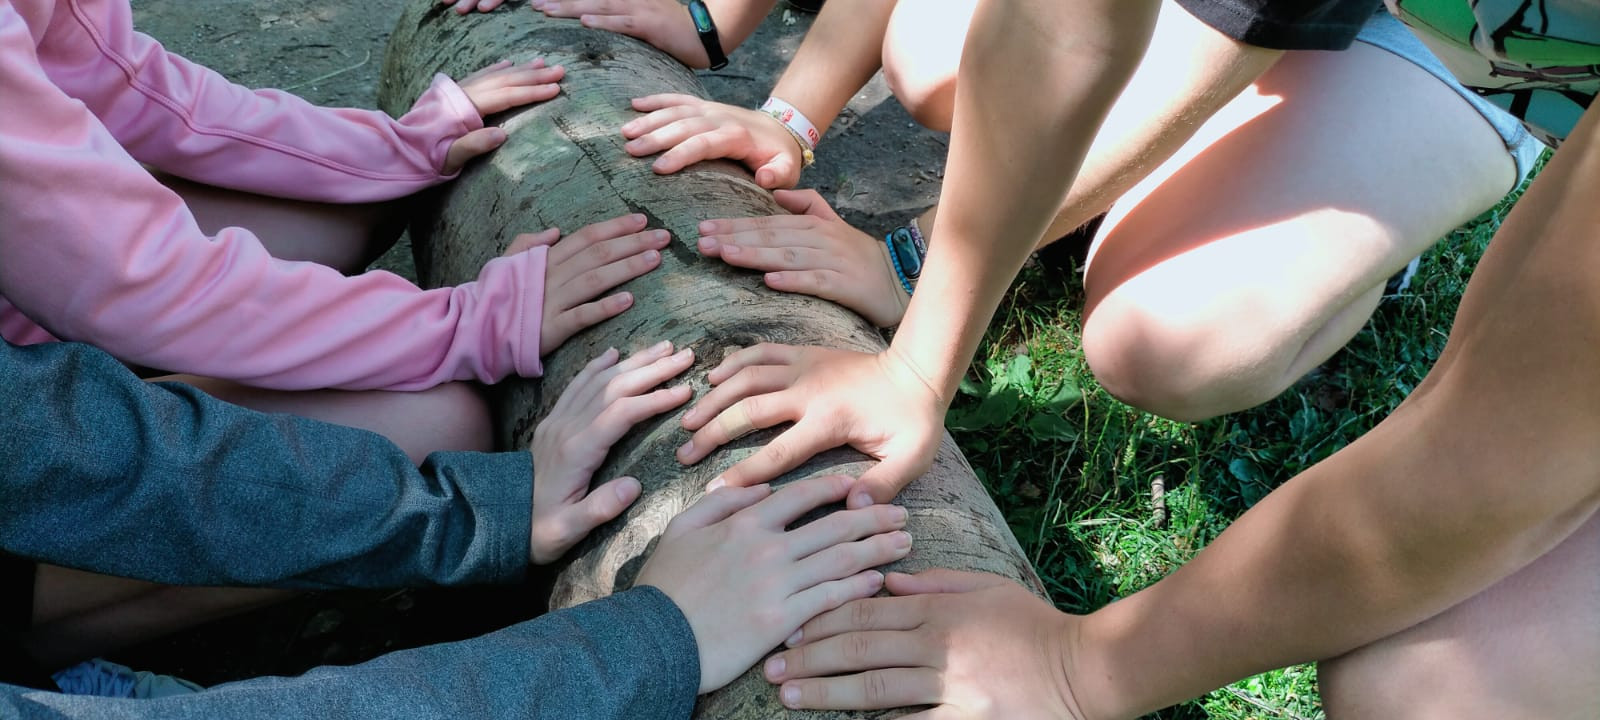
x=93 y=249
x=190 y=121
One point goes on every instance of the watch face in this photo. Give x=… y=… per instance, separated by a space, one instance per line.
x=905 y=251
x=701 y=17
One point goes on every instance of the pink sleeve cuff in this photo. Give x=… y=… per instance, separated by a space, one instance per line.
x=517 y=280
x=446 y=108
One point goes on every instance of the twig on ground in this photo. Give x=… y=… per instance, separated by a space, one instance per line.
x=1278 y=712
x=333 y=74
x=1158 y=501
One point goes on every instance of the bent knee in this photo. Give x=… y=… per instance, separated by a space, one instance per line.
x=930 y=100
x=1185 y=372
x=921 y=54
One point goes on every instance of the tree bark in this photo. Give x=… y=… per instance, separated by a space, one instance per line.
x=564 y=166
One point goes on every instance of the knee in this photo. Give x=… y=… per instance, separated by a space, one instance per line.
x=921 y=54
x=1185 y=369
x=928 y=96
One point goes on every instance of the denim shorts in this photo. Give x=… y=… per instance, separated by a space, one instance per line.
x=1387 y=33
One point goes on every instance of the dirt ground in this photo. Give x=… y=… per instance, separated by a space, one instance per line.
x=875 y=166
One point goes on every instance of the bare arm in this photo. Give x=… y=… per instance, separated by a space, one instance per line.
x=1187 y=75
x=1036 y=80
x=1489 y=464
x=737 y=20
x=840 y=53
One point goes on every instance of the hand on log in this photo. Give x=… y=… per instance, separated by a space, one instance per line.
x=495 y=89
x=874 y=402
x=599 y=406
x=987 y=648
x=745 y=583
x=564 y=165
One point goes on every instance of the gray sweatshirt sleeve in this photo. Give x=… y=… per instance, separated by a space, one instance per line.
x=107 y=473
x=631 y=655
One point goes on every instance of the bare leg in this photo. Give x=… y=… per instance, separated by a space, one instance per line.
x=453 y=416
x=921 y=53
x=345 y=237
x=1528 y=647
x=1262 y=247
x=79 y=615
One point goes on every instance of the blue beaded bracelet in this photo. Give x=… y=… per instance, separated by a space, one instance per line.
x=906 y=252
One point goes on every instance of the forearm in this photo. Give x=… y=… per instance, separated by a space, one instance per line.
x=190 y=121
x=737 y=20
x=164 y=483
x=631 y=655
x=1488 y=465
x=1036 y=80
x=840 y=53
x=1189 y=73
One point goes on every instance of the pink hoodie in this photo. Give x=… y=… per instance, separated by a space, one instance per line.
x=93 y=249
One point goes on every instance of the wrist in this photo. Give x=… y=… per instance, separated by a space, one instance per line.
x=800 y=128
x=904 y=366
x=706 y=29
x=1092 y=676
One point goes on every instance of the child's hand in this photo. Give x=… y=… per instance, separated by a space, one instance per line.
x=498 y=88
x=465 y=6
x=585 y=264
x=686 y=129
x=745 y=581
x=812 y=252
x=601 y=404
x=663 y=23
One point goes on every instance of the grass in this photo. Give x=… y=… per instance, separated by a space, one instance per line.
x=1072 y=468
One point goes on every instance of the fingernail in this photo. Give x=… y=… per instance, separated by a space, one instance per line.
x=877 y=579
x=660 y=236
x=775 y=666
x=661 y=346
x=636 y=218
x=860 y=500
x=626 y=491
x=651 y=255
x=715 y=483
x=497 y=134
x=901 y=540
x=682 y=354
x=795 y=638
x=708 y=226
x=791 y=697
x=901 y=515
x=707 y=244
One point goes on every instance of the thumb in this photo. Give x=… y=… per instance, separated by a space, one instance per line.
x=528 y=241
x=605 y=503
x=805 y=202
x=779 y=172
x=471 y=145
x=882 y=482
x=940 y=580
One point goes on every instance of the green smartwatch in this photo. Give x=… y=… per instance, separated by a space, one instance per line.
x=707 y=30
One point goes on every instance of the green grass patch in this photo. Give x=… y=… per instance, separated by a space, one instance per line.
x=1072 y=467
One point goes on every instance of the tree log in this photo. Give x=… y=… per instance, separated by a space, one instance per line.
x=564 y=166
